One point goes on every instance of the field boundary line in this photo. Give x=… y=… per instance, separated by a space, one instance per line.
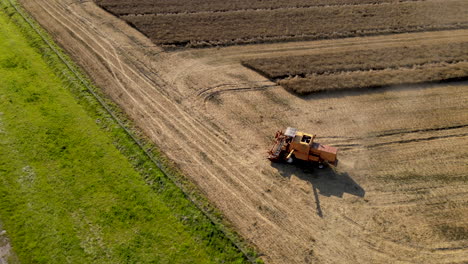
x=216 y=222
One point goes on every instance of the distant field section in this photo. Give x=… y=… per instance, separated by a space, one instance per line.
x=434 y=72
x=359 y=60
x=125 y=7
x=207 y=23
x=367 y=67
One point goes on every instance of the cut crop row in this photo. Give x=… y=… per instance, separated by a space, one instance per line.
x=359 y=60
x=124 y=7
x=204 y=29
x=369 y=79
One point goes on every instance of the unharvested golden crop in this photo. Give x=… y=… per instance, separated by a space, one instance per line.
x=265 y=25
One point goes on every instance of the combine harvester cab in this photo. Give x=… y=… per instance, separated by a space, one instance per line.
x=293 y=144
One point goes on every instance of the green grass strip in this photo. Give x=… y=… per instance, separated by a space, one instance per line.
x=68 y=194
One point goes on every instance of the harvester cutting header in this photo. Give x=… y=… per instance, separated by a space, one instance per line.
x=293 y=144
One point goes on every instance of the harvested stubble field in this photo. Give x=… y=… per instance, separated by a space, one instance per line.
x=399 y=192
x=366 y=67
x=238 y=26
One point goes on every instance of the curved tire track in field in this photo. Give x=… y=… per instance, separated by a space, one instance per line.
x=211 y=92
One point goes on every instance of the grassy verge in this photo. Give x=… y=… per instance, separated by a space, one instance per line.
x=74 y=187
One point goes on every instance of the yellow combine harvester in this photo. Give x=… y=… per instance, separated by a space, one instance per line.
x=293 y=144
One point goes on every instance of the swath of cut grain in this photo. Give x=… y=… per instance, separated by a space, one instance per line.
x=202 y=29
x=359 y=60
x=125 y=7
x=368 y=79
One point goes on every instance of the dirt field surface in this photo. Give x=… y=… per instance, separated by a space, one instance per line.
x=399 y=194
x=241 y=22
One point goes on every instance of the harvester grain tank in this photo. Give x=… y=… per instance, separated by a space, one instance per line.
x=293 y=144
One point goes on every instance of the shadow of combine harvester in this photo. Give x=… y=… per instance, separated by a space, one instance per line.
x=326 y=181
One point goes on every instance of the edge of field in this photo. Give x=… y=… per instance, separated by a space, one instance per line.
x=138 y=149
